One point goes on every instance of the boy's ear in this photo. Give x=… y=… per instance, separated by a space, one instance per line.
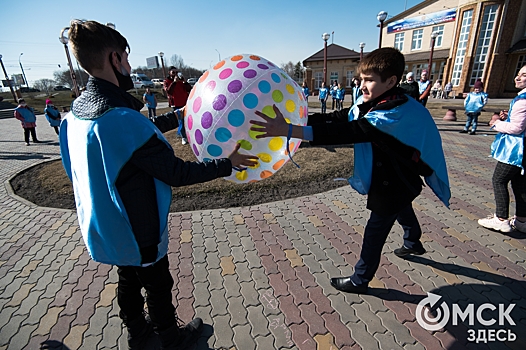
x=392 y=82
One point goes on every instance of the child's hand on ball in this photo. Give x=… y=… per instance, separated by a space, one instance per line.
x=277 y=126
x=242 y=160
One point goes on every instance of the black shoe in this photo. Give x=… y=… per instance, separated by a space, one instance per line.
x=175 y=338
x=345 y=284
x=141 y=335
x=463 y=131
x=403 y=251
x=473 y=133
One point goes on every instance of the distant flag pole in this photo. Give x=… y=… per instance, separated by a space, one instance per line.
x=333 y=36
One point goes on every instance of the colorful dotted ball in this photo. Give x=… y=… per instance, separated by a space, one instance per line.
x=223 y=102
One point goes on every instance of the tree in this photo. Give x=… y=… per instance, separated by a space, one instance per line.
x=44 y=85
x=63 y=77
x=288 y=68
x=295 y=71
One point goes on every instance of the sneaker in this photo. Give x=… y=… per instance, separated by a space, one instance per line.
x=404 y=251
x=473 y=133
x=463 y=131
x=27 y=143
x=494 y=223
x=179 y=338
x=518 y=225
x=184 y=141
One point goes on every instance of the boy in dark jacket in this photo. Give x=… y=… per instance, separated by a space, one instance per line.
x=396 y=142
x=122 y=168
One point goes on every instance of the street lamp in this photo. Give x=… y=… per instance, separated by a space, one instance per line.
x=434 y=36
x=22 y=68
x=111 y=25
x=218 y=55
x=8 y=81
x=161 y=54
x=362 y=45
x=381 y=16
x=325 y=37
x=64 y=40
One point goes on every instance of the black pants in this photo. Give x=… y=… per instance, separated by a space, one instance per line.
x=375 y=235
x=56 y=129
x=158 y=282
x=503 y=174
x=33 y=134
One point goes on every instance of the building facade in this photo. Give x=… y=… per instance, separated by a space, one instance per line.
x=484 y=39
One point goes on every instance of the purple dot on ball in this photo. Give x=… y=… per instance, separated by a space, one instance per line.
x=262 y=66
x=249 y=73
x=206 y=120
x=234 y=86
x=196 y=152
x=219 y=102
x=199 y=137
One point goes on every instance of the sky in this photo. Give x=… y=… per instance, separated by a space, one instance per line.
x=201 y=32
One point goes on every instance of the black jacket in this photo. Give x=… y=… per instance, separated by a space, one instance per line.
x=135 y=183
x=397 y=167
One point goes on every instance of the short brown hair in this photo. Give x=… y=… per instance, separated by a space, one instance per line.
x=385 y=62
x=92 y=41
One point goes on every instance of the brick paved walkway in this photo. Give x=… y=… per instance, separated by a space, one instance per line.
x=259 y=276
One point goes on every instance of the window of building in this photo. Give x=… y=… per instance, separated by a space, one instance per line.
x=521 y=63
x=440 y=31
x=467 y=17
x=481 y=53
x=318 y=79
x=417 y=39
x=350 y=75
x=334 y=76
x=399 y=41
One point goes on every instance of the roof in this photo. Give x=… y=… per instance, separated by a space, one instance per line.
x=334 y=52
x=518 y=47
x=424 y=56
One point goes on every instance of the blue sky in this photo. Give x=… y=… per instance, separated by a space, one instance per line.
x=199 y=31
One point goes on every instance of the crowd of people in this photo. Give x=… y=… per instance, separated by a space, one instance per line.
x=122 y=180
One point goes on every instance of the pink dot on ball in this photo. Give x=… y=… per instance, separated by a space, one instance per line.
x=211 y=85
x=197 y=105
x=242 y=64
x=190 y=122
x=225 y=73
x=199 y=137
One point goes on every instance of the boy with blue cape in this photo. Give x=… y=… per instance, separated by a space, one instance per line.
x=396 y=142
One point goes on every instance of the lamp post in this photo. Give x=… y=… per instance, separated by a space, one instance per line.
x=161 y=54
x=381 y=16
x=64 y=40
x=325 y=37
x=22 y=68
x=434 y=36
x=218 y=55
x=8 y=81
x=362 y=45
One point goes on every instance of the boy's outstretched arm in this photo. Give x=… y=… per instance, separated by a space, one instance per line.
x=275 y=126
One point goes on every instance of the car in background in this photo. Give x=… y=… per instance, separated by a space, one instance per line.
x=28 y=89
x=191 y=81
x=157 y=83
x=141 y=81
x=61 y=88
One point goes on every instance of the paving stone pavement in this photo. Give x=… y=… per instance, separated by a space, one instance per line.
x=259 y=276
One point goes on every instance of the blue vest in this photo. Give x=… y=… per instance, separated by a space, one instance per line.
x=49 y=111
x=508 y=148
x=411 y=124
x=323 y=93
x=93 y=154
x=474 y=102
x=29 y=116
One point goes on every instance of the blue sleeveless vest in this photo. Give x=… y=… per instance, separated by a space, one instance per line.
x=93 y=153
x=412 y=125
x=29 y=116
x=508 y=148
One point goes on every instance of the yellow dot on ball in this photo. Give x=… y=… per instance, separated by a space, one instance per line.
x=253 y=133
x=245 y=144
x=265 y=157
x=255 y=166
x=275 y=144
x=290 y=89
x=288 y=121
x=277 y=96
x=290 y=106
x=242 y=175
x=269 y=112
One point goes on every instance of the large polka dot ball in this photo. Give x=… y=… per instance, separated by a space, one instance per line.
x=223 y=102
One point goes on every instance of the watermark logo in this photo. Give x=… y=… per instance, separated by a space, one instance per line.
x=443 y=314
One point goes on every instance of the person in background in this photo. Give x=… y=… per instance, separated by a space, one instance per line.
x=436 y=90
x=122 y=169
x=52 y=115
x=306 y=91
x=410 y=86
x=27 y=117
x=340 y=96
x=473 y=104
x=508 y=150
x=151 y=102
x=323 y=95
x=177 y=90
x=447 y=90
x=356 y=90
x=333 y=90
x=424 y=88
